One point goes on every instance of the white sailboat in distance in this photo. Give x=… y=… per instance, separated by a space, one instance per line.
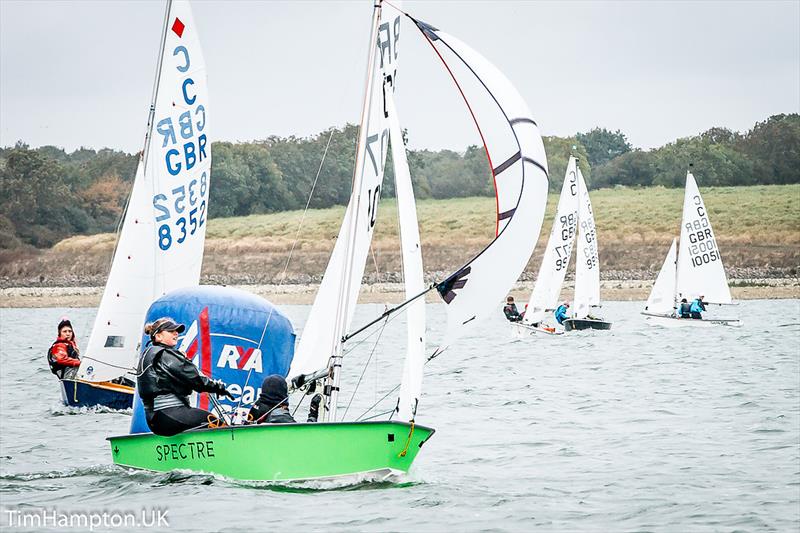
x=692 y=269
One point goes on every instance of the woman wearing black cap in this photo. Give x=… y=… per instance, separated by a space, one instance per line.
x=166 y=378
x=63 y=355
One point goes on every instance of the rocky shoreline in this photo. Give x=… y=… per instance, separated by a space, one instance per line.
x=34 y=296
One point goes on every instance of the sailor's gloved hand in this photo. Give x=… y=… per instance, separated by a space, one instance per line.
x=220 y=388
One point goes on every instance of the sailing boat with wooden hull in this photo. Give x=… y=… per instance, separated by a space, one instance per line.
x=303 y=450
x=160 y=246
x=691 y=269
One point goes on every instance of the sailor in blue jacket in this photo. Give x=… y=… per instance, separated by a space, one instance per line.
x=698 y=306
x=561 y=312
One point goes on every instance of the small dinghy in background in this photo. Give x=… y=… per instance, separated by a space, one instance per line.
x=690 y=270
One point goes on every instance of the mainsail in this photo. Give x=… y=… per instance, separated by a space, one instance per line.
x=587 y=262
x=160 y=245
x=662 y=296
x=519 y=168
x=334 y=305
x=700 y=270
x=559 y=249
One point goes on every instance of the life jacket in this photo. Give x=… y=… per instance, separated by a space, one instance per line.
x=55 y=368
x=163 y=370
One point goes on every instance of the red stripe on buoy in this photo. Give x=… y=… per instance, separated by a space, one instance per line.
x=205 y=353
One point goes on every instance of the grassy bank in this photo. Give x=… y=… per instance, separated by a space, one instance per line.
x=758 y=229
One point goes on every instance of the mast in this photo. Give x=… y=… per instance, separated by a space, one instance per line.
x=342 y=310
x=149 y=134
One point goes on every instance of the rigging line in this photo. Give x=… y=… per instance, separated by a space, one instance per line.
x=366 y=365
x=388 y=312
x=433 y=356
x=365 y=339
x=291 y=252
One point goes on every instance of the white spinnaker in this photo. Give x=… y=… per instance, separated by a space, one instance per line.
x=559 y=249
x=342 y=279
x=662 y=296
x=700 y=270
x=587 y=262
x=161 y=242
x=520 y=173
x=411 y=385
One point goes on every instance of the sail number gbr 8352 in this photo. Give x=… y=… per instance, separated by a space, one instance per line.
x=183 y=151
x=702 y=245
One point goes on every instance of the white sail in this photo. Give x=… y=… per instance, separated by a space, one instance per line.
x=662 y=296
x=559 y=249
x=160 y=246
x=520 y=174
x=411 y=385
x=334 y=305
x=700 y=270
x=587 y=262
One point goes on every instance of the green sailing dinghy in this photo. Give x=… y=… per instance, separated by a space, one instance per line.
x=280 y=452
x=385 y=439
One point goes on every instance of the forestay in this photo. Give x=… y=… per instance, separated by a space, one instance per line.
x=160 y=245
x=559 y=249
x=334 y=305
x=519 y=169
x=662 y=296
x=700 y=270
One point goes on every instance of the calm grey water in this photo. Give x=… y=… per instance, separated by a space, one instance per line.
x=636 y=429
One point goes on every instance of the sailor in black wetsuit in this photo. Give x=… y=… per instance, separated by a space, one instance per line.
x=165 y=378
x=511 y=312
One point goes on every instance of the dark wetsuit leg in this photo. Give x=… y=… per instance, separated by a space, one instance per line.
x=696 y=315
x=174 y=420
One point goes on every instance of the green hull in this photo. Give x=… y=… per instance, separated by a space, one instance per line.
x=278 y=452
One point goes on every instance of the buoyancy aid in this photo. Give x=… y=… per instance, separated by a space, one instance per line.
x=62 y=354
x=164 y=370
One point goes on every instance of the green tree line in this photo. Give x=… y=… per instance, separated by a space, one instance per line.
x=47 y=194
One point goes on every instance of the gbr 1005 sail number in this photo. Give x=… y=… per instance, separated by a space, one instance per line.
x=702 y=245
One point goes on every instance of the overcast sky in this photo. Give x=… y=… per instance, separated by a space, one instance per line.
x=80 y=73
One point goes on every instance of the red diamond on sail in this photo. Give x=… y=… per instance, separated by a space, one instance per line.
x=178 y=27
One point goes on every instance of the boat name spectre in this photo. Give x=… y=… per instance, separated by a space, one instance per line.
x=185 y=450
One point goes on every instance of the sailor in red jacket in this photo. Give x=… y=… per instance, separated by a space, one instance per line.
x=64 y=356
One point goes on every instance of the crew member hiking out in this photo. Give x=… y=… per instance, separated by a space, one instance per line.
x=63 y=355
x=165 y=378
x=510 y=310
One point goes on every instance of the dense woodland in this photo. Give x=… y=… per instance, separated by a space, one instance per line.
x=47 y=194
